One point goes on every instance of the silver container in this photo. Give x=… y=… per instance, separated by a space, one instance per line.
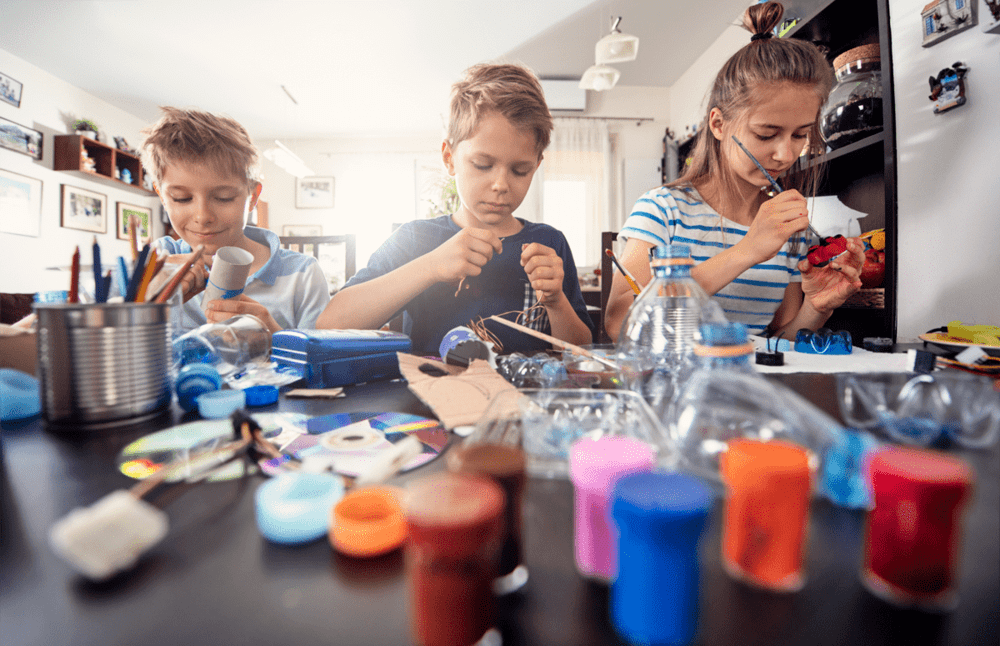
x=103 y=364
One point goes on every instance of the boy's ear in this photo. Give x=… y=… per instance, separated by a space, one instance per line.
x=715 y=123
x=448 y=157
x=255 y=195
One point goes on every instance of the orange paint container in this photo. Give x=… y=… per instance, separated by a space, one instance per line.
x=766 y=512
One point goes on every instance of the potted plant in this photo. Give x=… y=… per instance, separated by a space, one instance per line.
x=85 y=127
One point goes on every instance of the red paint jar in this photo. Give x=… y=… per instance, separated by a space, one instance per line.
x=503 y=463
x=455 y=524
x=914 y=531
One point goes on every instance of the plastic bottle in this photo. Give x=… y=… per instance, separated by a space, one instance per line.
x=725 y=399
x=657 y=338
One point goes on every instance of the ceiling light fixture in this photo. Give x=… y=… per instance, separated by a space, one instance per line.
x=616 y=47
x=282 y=157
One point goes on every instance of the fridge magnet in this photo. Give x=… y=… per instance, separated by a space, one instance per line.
x=992 y=23
x=948 y=88
x=944 y=18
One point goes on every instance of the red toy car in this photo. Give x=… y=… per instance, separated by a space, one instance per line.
x=820 y=254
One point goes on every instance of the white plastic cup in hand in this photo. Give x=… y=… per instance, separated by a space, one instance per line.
x=228 y=277
x=230 y=346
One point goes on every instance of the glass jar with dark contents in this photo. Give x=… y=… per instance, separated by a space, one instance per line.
x=854 y=109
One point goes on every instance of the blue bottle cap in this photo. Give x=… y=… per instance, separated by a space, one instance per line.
x=261 y=395
x=672 y=251
x=219 y=404
x=295 y=507
x=19 y=398
x=717 y=334
x=656 y=497
x=193 y=380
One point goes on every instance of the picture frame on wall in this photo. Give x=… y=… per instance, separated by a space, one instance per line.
x=20 y=204
x=299 y=230
x=10 y=90
x=84 y=210
x=943 y=19
x=143 y=214
x=314 y=192
x=20 y=139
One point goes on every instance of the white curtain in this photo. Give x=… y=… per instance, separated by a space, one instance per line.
x=573 y=190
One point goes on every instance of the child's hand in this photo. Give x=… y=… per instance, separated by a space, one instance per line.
x=826 y=288
x=196 y=278
x=545 y=271
x=223 y=309
x=464 y=254
x=777 y=219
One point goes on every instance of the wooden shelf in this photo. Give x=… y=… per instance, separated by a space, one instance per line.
x=68 y=158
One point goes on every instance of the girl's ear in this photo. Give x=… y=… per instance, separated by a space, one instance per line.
x=448 y=157
x=715 y=123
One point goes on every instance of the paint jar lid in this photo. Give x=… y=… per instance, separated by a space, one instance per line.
x=261 y=395
x=752 y=463
x=658 y=498
x=218 y=404
x=368 y=521
x=294 y=507
x=595 y=464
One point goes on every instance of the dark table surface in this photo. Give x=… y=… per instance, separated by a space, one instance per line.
x=215 y=580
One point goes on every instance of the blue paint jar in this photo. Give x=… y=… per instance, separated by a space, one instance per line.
x=660 y=518
x=195 y=379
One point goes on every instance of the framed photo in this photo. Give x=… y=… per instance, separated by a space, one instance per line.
x=302 y=230
x=84 y=210
x=314 y=192
x=20 y=139
x=10 y=90
x=20 y=204
x=143 y=215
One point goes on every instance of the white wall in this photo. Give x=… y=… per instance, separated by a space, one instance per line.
x=46 y=103
x=949 y=249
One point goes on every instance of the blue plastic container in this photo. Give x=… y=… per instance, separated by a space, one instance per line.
x=193 y=380
x=660 y=518
x=294 y=508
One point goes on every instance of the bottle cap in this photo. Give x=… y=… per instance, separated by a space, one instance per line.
x=368 y=521
x=195 y=379
x=294 y=507
x=261 y=395
x=657 y=498
x=219 y=404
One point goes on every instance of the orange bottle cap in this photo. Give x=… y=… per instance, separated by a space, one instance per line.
x=368 y=521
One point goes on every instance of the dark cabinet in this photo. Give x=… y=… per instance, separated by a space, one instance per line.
x=862 y=173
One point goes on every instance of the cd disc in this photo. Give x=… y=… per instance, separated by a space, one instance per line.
x=353 y=440
x=149 y=454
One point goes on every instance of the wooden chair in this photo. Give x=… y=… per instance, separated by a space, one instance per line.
x=310 y=245
x=607 y=274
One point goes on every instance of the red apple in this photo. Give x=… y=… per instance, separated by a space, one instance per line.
x=873 y=270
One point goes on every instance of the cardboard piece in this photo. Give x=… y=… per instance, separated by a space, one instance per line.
x=458 y=396
x=18 y=349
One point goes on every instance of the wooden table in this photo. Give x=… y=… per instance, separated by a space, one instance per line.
x=214 y=580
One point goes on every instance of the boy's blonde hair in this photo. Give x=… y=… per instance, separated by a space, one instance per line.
x=510 y=90
x=200 y=137
x=745 y=80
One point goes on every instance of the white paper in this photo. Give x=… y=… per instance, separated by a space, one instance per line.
x=830 y=217
x=228 y=277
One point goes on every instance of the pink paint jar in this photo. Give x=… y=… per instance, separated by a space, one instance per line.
x=594 y=467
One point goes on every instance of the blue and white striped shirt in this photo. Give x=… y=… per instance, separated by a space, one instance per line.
x=680 y=216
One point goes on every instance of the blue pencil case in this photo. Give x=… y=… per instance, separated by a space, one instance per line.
x=331 y=358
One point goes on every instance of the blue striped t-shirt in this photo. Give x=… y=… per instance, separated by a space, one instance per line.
x=679 y=216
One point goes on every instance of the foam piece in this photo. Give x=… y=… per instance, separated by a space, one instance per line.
x=109 y=536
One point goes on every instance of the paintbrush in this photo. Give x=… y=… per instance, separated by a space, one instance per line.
x=557 y=342
x=625 y=273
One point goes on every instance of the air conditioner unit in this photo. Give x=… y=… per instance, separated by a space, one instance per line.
x=564 y=94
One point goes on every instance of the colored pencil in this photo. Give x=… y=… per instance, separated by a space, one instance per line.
x=170 y=287
x=123 y=270
x=99 y=295
x=74 y=278
x=133 y=237
x=625 y=273
x=147 y=275
x=137 y=271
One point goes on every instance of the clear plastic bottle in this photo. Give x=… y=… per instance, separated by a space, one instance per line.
x=657 y=338
x=725 y=399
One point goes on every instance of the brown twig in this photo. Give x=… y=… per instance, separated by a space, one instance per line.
x=556 y=342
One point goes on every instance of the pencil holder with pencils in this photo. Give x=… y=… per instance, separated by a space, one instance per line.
x=103 y=364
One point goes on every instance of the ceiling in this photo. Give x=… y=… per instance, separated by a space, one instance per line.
x=353 y=67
